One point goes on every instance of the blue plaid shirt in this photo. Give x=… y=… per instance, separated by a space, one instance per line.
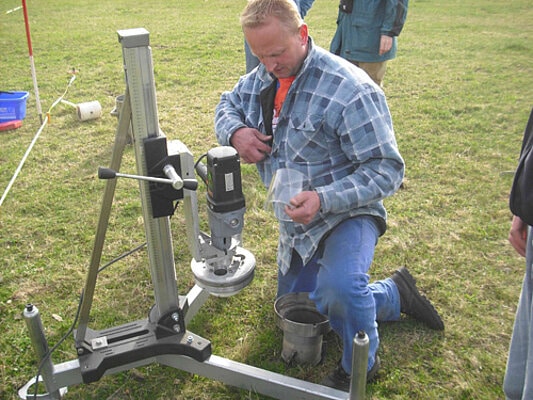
x=336 y=128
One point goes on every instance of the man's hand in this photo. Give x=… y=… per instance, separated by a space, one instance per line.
x=304 y=206
x=385 y=44
x=518 y=235
x=250 y=144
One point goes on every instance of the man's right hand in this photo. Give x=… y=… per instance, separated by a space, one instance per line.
x=251 y=144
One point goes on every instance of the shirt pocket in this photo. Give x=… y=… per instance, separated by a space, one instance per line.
x=307 y=140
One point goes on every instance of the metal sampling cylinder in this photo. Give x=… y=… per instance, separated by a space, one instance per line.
x=361 y=345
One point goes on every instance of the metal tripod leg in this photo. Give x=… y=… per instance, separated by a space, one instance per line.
x=109 y=193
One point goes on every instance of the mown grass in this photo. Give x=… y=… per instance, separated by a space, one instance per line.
x=460 y=92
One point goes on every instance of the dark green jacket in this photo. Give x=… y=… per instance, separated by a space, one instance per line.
x=361 y=23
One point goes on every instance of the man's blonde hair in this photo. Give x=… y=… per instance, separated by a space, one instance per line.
x=257 y=12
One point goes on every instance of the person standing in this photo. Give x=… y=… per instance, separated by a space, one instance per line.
x=518 y=380
x=306 y=109
x=367 y=32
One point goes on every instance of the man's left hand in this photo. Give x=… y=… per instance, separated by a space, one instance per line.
x=304 y=206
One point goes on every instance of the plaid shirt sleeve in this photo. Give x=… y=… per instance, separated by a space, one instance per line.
x=367 y=140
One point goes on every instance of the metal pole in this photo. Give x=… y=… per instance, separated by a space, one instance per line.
x=40 y=346
x=105 y=212
x=361 y=345
x=32 y=63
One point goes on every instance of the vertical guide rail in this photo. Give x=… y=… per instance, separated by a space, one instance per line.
x=137 y=56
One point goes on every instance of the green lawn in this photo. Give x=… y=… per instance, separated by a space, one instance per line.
x=460 y=92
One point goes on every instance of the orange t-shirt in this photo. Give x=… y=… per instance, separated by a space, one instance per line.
x=281 y=93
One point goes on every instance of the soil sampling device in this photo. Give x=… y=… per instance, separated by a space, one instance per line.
x=167 y=173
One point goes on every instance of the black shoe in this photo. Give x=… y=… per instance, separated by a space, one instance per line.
x=413 y=303
x=340 y=380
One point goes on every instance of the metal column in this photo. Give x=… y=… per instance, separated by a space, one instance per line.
x=138 y=67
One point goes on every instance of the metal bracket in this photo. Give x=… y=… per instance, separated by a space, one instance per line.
x=136 y=341
x=162 y=196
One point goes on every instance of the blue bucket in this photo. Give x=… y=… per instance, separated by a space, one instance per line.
x=13 y=105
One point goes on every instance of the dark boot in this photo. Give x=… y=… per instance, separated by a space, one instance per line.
x=340 y=379
x=413 y=303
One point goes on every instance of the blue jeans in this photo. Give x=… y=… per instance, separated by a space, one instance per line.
x=518 y=382
x=338 y=282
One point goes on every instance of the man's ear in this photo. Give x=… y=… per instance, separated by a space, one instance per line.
x=304 y=34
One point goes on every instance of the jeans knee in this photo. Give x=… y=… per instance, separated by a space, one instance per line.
x=339 y=295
